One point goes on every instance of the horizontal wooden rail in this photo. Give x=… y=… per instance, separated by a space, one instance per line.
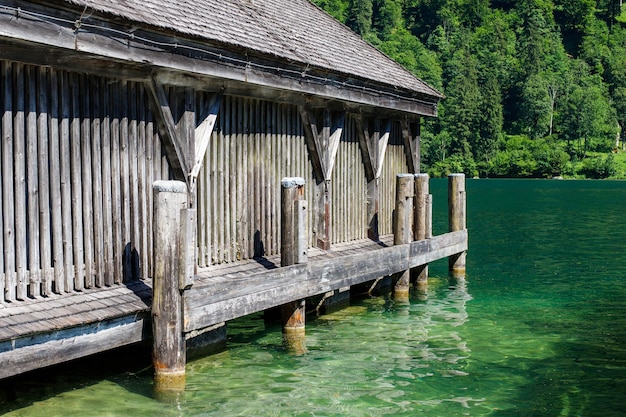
x=216 y=301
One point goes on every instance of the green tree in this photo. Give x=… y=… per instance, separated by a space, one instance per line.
x=588 y=120
x=360 y=16
x=336 y=8
x=463 y=103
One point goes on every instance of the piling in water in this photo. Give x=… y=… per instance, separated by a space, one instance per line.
x=456 y=219
x=169 y=357
x=293 y=250
x=403 y=228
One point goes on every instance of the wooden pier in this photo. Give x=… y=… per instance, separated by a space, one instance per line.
x=42 y=332
x=101 y=101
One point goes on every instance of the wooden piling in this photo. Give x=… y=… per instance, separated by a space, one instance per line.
x=403 y=229
x=169 y=357
x=421 y=222
x=293 y=250
x=456 y=219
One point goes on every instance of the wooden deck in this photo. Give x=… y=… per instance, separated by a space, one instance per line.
x=47 y=330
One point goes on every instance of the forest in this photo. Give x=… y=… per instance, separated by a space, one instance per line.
x=534 y=88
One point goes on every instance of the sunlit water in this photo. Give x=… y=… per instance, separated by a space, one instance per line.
x=537 y=329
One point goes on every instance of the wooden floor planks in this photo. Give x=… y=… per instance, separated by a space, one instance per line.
x=41 y=315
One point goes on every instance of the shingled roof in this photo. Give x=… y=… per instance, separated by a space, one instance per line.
x=292 y=30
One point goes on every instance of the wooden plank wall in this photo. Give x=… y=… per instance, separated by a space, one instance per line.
x=349 y=189
x=254 y=145
x=79 y=154
x=395 y=163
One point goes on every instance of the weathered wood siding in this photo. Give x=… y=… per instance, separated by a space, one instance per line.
x=348 y=189
x=395 y=163
x=254 y=145
x=79 y=154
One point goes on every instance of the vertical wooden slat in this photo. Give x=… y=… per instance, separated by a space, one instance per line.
x=45 y=244
x=232 y=169
x=2 y=196
x=257 y=184
x=116 y=191
x=256 y=187
x=247 y=198
x=275 y=177
x=151 y=139
x=107 y=204
x=135 y=239
x=66 y=186
x=142 y=186
x=32 y=161
x=215 y=186
x=87 y=190
x=98 y=270
x=20 y=182
x=222 y=178
x=124 y=176
x=267 y=178
x=77 y=197
x=238 y=170
x=202 y=191
x=226 y=207
x=8 y=175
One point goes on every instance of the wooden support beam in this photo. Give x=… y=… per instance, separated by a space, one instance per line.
x=170 y=198
x=323 y=129
x=421 y=221
x=208 y=117
x=457 y=219
x=411 y=135
x=63 y=345
x=373 y=137
x=403 y=228
x=174 y=148
x=293 y=250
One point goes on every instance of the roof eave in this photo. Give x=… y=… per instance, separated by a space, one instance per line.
x=146 y=47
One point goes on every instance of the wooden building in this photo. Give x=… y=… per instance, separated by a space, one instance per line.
x=101 y=98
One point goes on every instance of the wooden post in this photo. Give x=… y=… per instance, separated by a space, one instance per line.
x=170 y=197
x=421 y=222
x=456 y=219
x=323 y=214
x=403 y=230
x=293 y=250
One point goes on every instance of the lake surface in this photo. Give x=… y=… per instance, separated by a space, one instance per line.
x=537 y=329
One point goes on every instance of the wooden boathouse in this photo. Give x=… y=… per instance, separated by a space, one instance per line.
x=177 y=164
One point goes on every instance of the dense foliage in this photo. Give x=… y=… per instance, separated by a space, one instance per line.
x=534 y=88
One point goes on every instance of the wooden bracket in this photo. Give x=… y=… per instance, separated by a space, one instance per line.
x=159 y=104
x=323 y=130
x=411 y=134
x=373 y=138
x=208 y=117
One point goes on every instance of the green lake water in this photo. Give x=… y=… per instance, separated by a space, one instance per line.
x=537 y=329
